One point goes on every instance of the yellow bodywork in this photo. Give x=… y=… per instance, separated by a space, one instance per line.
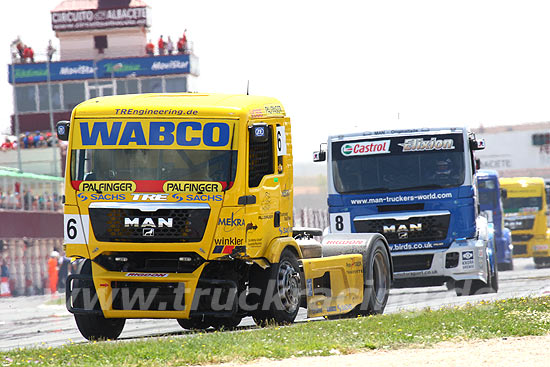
x=534 y=241
x=186 y=121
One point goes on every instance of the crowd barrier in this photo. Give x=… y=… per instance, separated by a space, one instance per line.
x=27 y=264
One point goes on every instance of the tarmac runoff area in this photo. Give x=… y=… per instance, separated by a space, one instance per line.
x=36 y=322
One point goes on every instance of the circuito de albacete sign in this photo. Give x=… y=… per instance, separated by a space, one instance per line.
x=99 y=18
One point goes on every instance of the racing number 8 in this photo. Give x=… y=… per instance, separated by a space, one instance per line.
x=71 y=229
x=339 y=223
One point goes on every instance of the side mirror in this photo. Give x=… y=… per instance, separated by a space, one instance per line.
x=62 y=129
x=259 y=133
x=319 y=156
x=503 y=193
x=477 y=144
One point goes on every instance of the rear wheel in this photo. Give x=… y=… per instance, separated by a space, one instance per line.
x=376 y=271
x=94 y=326
x=195 y=323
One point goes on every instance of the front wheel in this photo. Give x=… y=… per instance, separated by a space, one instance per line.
x=97 y=327
x=94 y=326
x=282 y=296
x=377 y=280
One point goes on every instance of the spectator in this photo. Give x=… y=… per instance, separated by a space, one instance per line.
x=150 y=48
x=63 y=264
x=161 y=46
x=169 y=46
x=7 y=145
x=49 y=139
x=38 y=139
x=27 y=199
x=28 y=54
x=182 y=43
x=5 y=279
x=20 y=48
x=52 y=271
x=50 y=50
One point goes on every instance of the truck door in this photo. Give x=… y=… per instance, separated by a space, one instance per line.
x=263 y=213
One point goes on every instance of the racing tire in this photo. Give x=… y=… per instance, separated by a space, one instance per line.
x=377 y=271
x=195 y=323
x=472 y=287
x=494 y=281
x=542 y=262
x=94 y=326
x=282 y=291
x=226 y=323
x=97 y=327
x=506 y=266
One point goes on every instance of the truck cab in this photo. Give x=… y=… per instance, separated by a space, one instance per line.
x=181 y=206
x=526 y=214
x=416 y=187
x=490 y=202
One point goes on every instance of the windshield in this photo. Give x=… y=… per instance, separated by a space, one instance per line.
x=398 y=163
x=154 y=164
x=522 y=205
x=488 y=193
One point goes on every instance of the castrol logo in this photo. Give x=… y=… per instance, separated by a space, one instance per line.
x=366 y=148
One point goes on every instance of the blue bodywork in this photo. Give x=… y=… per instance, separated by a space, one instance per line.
x=490 y=200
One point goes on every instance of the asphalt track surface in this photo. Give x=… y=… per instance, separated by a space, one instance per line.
x=27 y=322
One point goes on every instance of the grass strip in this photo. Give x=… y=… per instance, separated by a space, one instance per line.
x=483 y=320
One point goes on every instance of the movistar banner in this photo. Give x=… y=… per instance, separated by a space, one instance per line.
x=88 y=69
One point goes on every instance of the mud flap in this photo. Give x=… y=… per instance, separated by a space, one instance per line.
x=334 y=285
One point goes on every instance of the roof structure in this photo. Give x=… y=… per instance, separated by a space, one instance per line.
x=75 y=5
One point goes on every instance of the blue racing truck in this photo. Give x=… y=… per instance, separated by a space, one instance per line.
x=490 y=195
x=416 y=187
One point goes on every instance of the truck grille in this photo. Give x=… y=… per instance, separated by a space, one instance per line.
x=518 y=223
x=413 y=229
x=148 y=296
x=150 y=262
x=412 y=262
x=162 y=225
x=520 y=249
x=521 y=237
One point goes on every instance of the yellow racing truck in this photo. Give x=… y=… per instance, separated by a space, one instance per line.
x=526 y=214
x=180 y=206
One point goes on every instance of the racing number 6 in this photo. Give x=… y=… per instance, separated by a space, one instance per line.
x=71 y=229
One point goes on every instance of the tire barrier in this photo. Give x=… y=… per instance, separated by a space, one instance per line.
x=26 y=265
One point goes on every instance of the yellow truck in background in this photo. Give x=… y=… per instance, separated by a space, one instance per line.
x=526 y=215
x=180 y=206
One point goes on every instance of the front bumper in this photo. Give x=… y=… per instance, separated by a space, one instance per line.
x=463 y=260
x=144 y=295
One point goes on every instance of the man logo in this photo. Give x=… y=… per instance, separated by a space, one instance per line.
x=148 y=232
x=148 y=222
x=403 y=235
x=403 y=228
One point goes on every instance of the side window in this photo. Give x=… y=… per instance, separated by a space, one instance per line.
x=260 y=159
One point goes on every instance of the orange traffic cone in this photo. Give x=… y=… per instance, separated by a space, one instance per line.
x=5 y=288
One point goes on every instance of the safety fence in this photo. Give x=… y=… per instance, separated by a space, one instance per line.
x=25 y=262
x=308 y=217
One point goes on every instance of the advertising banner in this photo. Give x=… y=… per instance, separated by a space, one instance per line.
x=88 y=69
x=74 y=20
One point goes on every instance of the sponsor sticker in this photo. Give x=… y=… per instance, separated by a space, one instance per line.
x=191 y=186
x=107 y=186
x=468 y=260
x=147 y=275
x=366 y=148
x=421 y=145
x=345 y=242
